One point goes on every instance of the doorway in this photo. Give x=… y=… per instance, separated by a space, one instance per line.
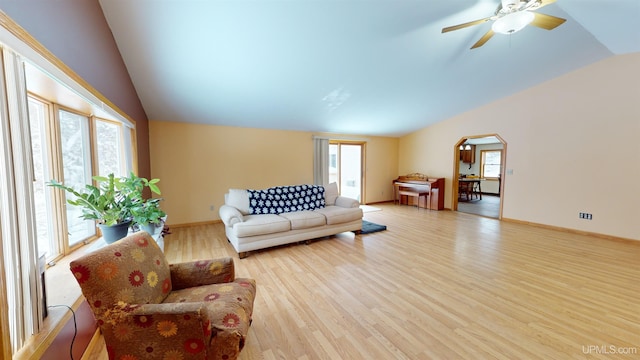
x=346 y=159
x=479 y=165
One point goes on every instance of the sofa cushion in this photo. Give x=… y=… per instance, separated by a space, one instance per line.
x=304 y=219
x=239 y=199
x=339 y=215
x=261 y=225
x=331 y=194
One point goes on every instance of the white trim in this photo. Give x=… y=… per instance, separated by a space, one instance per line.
x=8 y=220
x=24 y=291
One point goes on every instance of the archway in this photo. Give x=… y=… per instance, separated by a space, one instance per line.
x=476 y=173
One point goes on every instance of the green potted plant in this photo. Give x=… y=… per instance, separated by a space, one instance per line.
x=145 y=213
x=148 y=215
x=116 y=203
x=109 y=203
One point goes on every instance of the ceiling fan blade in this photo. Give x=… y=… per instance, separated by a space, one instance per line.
x=467 y=24
x=483 y=39
x=547 y=22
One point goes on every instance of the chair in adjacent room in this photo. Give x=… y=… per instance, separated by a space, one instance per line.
x=147 y=308
x=464 y=188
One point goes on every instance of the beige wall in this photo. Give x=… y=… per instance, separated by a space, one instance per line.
x=572 y=144
x=197 y=164
x=381 y=168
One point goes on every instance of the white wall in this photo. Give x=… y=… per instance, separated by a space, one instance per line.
x=572 y=144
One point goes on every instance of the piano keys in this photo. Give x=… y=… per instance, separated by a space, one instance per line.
x=420 y=183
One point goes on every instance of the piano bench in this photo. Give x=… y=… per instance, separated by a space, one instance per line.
x=417 y=195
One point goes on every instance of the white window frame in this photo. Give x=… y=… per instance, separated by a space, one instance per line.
x=24 y=291
x=46 y=143
x=483 y=159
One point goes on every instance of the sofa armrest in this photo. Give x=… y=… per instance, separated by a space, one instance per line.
x=230 y=215
x=201 y=272
x=346 y=202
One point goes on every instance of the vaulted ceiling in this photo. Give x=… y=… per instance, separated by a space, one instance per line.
x=378 y=67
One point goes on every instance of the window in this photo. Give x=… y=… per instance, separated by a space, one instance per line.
x=491 y=163
x=63 y=146
x=46 y=133
x=74 y=131
x=110 y=155
x=39 y=117
x=76 y=169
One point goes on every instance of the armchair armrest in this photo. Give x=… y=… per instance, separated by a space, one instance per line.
x=184 y=323
x=230 y=215
x=123 y=312
x=346 y=202
x=202 y=272
x=192 y=308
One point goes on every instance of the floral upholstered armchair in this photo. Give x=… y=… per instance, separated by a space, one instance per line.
x=148 y=309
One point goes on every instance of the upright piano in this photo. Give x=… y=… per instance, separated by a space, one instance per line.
x=420 y=183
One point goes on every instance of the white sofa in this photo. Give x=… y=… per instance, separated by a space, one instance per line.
x=247 y=228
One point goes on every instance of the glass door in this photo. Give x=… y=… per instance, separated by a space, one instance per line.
x=345 y=167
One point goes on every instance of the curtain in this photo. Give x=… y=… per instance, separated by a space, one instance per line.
x=320 y=161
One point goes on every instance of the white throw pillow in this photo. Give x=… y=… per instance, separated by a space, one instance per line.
x=331 y=194
x=239 y=199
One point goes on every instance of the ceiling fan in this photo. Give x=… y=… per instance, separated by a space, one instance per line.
x=512 y=16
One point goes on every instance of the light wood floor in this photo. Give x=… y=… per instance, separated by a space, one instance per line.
x=437 y=285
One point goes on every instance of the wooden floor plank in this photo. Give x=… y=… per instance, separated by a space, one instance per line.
x=436 y=285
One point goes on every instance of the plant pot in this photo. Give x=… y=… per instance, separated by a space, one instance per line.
x=150 y=228
x=113 y=233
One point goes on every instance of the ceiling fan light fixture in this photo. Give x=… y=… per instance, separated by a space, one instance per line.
x=513 y=22
x=510 y=4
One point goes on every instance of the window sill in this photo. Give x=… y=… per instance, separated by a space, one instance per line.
x=62 y=290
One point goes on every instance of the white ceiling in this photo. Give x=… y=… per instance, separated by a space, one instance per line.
x=376 y=67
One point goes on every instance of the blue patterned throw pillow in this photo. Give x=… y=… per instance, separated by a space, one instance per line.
x=282 y=199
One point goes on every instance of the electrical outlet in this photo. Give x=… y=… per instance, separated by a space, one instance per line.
x=212 y=207
x=586 y=216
